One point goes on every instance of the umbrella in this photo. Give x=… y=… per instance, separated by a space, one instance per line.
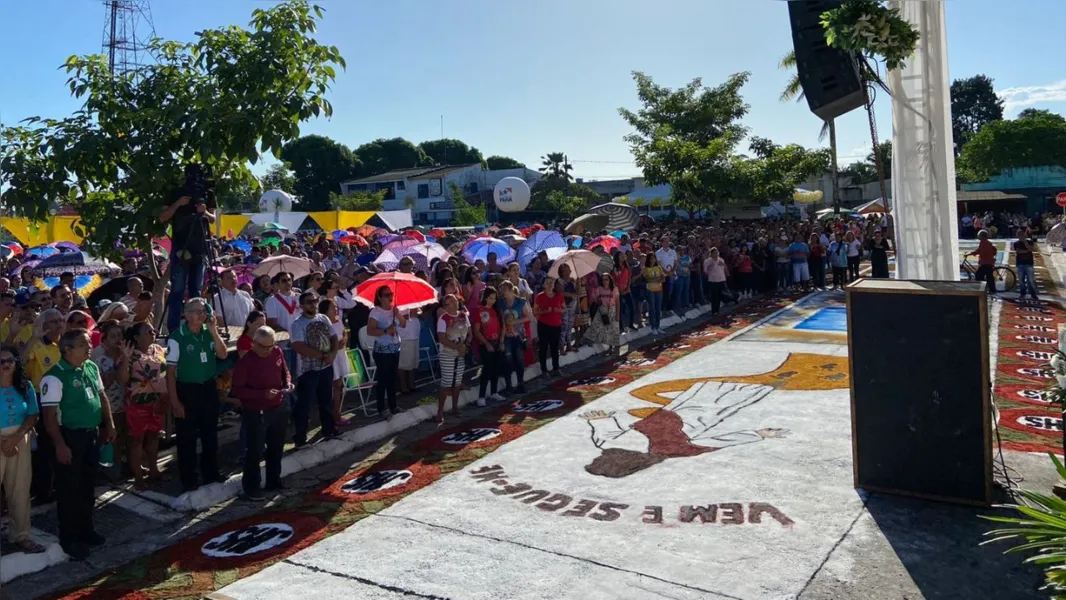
x=299 y=267
x=415 y=234
x=66 y=260
x=389 y=238
x=422 y=254
x=354 y=238
x=575 y=240
x=67 y=246
x=508 y=231
x=589 y=222
x=16 y=248
x=369 y=231
x=397 y=246
x=582 y=262
x=6 y=252
x=549 y=242
x=829 y=213
x=513 y=240
x=272 y=235
x=479 y=249
x=408 y=291
x=115 y=288
x=43 y=251
x=606 y=241
x=339 y=233
x=270 y=241
x=437 y=233
x=84 y=284
x=275 y=227
x=619 y=233
x=620 y=216
x=242 y=245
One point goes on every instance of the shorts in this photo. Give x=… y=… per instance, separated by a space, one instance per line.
x=452 y=367
x=409 y=355
x=142 y=419
x=801 y=272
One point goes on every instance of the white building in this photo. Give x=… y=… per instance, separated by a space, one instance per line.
x=426 y=190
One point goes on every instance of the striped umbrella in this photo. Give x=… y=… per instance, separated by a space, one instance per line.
x=620 y=216
x=422 y=254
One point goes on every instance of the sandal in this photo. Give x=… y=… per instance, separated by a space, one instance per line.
x=30 y=547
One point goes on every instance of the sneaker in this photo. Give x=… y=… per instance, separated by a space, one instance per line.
x=481 y=402
x=389 y=415
x=256 y=496
x=496 y=398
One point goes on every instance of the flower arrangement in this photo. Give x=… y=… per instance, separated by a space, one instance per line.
x=871 y=28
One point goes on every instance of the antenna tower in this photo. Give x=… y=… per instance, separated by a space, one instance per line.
x=128 y=29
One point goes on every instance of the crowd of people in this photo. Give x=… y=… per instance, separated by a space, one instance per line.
x=83 y=382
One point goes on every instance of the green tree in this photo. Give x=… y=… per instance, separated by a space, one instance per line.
x=538 y=194
x=358 y=200
x=554 y=165
x=1036 y=140
x=778 y=170
x=451 y=152
x=319 y=165
x=494 y=163
x=382 y=155
x=974 y=104
x=237 y=195
x=278 y=177
x=860 y=172
x=465 y=215
x=884 y=153
x=566 y=206
x=213 y=101
x=687 y=138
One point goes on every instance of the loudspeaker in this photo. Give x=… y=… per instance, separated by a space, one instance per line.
x=920 y=389
x=830 y=77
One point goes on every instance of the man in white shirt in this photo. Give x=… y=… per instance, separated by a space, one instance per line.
x=134 y=287
x=283 y=307
x=231 y=303
x=667 y=258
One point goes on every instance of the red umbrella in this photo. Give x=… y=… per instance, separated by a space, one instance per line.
x=16 y=249
x=414 y=233
x=437 y=233
x=608 y=242
x=354 y=238
x=408 y=291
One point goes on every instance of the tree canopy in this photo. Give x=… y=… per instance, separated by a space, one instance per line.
x=495 y=163
x=220 y=100
x=687 y=138
x=1034 y=140
x=554 y=165
x=974 y=104
x=319 y=165
x=359 y=200
x=778 y=170
x=539 y=193
x=466 y=214
x=450 y=152
x=382 y=155
x=278 y=177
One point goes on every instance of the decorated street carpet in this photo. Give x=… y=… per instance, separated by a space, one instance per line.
x=1028 y=337
x=675 y=442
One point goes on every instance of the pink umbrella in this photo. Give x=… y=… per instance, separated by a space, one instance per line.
x=606 y=241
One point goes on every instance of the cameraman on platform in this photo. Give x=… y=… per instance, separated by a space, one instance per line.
x=192 y=214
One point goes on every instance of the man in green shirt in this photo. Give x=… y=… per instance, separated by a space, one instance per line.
x=78 y=417
x=192 y=352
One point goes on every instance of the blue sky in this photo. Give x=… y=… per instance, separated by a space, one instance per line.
x=525 y=78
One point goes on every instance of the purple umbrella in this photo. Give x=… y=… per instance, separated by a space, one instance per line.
x=392 y=238
x=67 y=246
x=422 y=254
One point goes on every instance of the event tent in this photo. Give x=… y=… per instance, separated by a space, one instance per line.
x=873 y=206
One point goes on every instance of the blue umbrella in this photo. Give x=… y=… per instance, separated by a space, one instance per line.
x=75 y=259
x=242 y=245
x=550 y=242
x=338 y=234
x=619 y=233
x=42 y=251
x=479 y=249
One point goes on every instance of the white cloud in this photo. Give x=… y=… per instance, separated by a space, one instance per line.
x=1017 y=98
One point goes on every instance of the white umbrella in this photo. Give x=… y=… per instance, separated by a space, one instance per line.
x=582 y=262
x=298 y=267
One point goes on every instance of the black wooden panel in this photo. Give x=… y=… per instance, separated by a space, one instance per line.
x=919 y=379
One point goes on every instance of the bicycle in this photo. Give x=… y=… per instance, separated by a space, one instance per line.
x=1004 y=277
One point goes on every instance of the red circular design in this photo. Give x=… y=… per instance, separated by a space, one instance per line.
x=1060 y=199
x=1032 y=447
x=1013 y=393
x=188 y=555
x=570 y=401
x=436 y=443
x=620 y=379
x=1008 y=417
x=421 y=476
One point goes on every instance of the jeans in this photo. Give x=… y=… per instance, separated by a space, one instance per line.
x=853 y=267
x=263 y=427
x=385 y=379
x=696 y=283
x=668 y=289
x=627 y=318
x=491 y=361
x=548 y=340
x=1025 y=280
x=717 y=289
x=681 y=292
x=784 y=275
x=184 y=276
x=200 y=401
x=75 y=482
x=655 y=310
x=840 y=276
x=514 y=360
x=314 y=386
x=817 y=270
x=640 y=297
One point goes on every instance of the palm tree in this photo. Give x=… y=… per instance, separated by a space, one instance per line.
x=794 y=91
x=554 y=165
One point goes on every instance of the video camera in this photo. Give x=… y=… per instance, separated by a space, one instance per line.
x=199 y=183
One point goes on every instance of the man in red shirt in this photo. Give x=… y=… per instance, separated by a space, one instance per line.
x=986 y=260
x=260 y=382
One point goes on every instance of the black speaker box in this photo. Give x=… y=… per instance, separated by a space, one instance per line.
x=920 y=389
x=830 y=77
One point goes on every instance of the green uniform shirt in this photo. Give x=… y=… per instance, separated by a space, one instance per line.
x=76 y=393
x=193 y=354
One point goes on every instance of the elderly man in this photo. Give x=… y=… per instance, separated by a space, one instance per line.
x=134 y=287
x=260 y=383
x=231 y=305
x=78 y=418
x=192 y=352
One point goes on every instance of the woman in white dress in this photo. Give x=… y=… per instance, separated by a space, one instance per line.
x=340 y=363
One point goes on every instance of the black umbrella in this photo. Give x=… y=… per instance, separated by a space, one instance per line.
x=113 y=289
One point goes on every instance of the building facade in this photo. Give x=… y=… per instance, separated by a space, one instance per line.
x=1038 y=185
x=427 y=190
